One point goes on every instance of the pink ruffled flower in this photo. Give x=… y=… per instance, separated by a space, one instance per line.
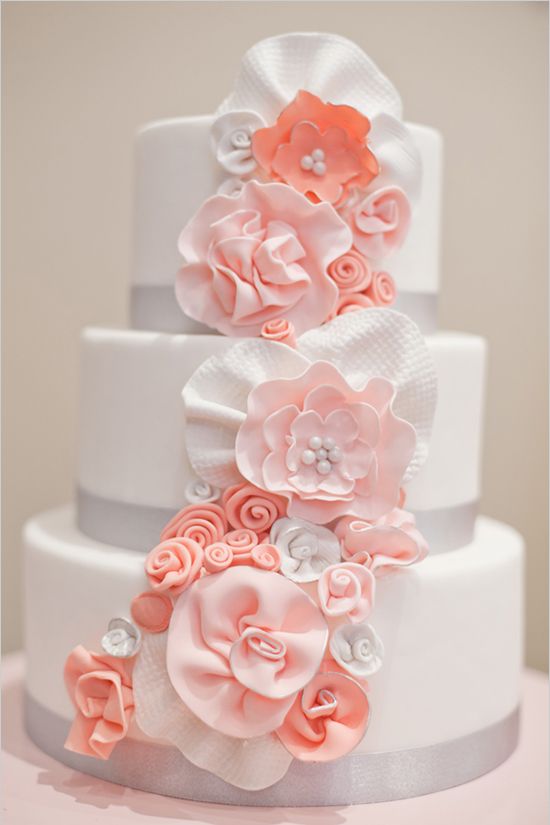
x=351 y=272
x=259 y=256
x=173 y=565
x=151 y=611
x=248 y=507
x=203 y=523
x=379 y=221
x=391 y=541
x=329 y=449
x=100 y=688
x=346 y=589
x=241 y=644
x=279 y=330
x=318 y=148
x=327 y=720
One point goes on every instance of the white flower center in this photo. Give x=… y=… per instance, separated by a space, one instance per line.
x=240 y=139
x=314 y=163
x=323 y=452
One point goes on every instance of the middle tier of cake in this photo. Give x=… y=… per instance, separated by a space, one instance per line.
x=133 y=468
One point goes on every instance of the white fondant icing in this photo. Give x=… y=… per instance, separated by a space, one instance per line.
x=451 y=627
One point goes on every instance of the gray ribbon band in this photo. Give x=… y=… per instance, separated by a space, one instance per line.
x=138 y=527
x=155 y=308
x=353 y=779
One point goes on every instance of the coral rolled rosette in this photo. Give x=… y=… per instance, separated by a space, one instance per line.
x=391 y=541
x=346 y=590
x=203 y=523
x=329 y=449
x=173 y=565
x=351 y=272
x=266 y=557
x=100 y=688
x=327 y=720
x=250 y=508
x=382 y=289
x=241 y=644
x=218 y=557
x=257 y=256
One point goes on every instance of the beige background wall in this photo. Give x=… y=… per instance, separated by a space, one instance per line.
x=79 y=78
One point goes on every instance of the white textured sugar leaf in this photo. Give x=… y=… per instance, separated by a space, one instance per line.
x=251 y=764
x=331 y=67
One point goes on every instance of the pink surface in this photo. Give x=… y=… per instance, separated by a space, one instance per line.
x=39 y=790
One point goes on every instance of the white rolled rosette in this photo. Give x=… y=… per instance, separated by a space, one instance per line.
x=358 y=649
x=306 y=549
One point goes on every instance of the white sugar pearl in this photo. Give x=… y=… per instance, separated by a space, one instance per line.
x=319 y=168
x=315 y=442
x=328 y=443
x=335 y=455
x=308 y=457
x=307 y=163
x=324 y=467
x=318 y=154
x=322 y=453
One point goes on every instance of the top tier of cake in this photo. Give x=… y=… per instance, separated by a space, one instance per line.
x=180 y=163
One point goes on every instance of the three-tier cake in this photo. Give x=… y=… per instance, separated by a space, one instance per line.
x=275 y=587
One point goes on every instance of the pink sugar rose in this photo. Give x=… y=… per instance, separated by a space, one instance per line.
x=279 y=329
x=248 y=507
x=258 y=256
x=346 y=589
x=330 y=450
x=391 y=541
x=379 y=221
x=382 y=289
x=351 y=272
x=266 y=557
x=203 y=523
x=100 y=688
x=327 y=720
x=241 y=644
x=318 y=148
x=173 y=565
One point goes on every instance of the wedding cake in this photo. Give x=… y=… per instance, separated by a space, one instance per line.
x=274 y=587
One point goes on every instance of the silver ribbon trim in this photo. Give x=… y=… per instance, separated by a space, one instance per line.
x=155 y=308
x=352 y=780
x=138 y=527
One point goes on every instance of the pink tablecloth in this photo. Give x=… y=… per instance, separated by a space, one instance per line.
x=40 y=791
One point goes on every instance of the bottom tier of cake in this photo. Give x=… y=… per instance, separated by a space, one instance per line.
x=444 y=705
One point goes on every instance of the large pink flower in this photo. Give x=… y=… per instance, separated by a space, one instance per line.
x=329 y=449
x=241 y=644
x=318 y=148
x=100 y=688
x=258 y=256
x=327 y=720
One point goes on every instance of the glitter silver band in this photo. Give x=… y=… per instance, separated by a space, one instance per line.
x=353 y=779
x=155 y=308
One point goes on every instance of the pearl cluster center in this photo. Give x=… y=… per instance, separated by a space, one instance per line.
x=314 y=163
x=322 y=452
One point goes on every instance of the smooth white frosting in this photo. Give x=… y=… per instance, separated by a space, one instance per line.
x=452 y=628
x=176 y=171
x=132 y=422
